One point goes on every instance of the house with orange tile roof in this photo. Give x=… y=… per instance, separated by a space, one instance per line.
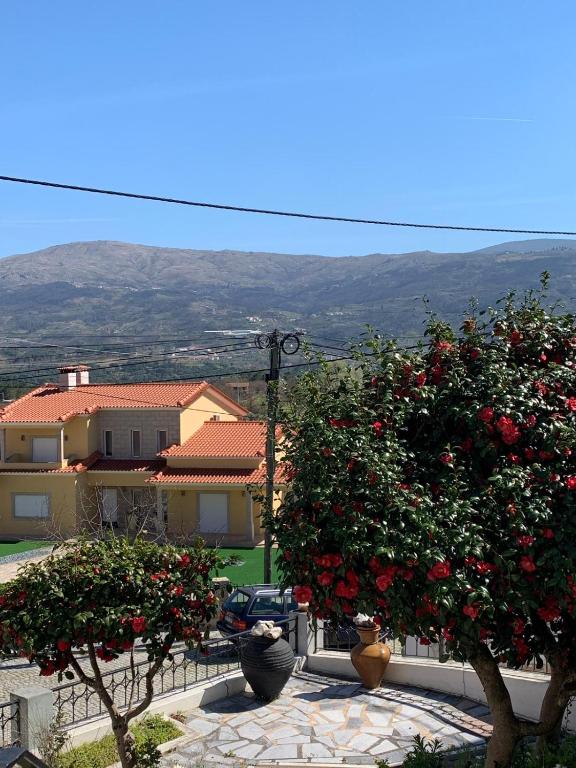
x=181 y=456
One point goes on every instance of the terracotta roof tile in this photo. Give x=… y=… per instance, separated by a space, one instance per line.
x=174 y=475
x=128 y=465
x=224 y=439
x=49 y=403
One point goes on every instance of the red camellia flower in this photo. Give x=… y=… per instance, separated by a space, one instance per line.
x=326 y=451
x=571 y=483
x=47 y=669
x=515 y=338
x=420 y=379
x=483 y=567
x=323 y=561
x=486 y=414
x=548 y=533
x=467 y=444
x=63 y=645
x=527 y=564
x=509 y=431
x=530 y=453
x=471 y=611
x=546 y=455
x=518 y=626
x=338 y=510
x=550 y=610
x=377 y=425
x=475 y=354
x=530 y=420
x=425 y=641
x=351 y=465
x=525 y=541
x=325 y=578
x=184 y=561
x=446 y=458
x=440 y=571
x=571 y=403
x=384 y=581
x=349 y=591
x=138 y=624
x=302 y=594
x=336 y=560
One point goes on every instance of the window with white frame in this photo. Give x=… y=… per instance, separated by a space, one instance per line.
x=161 y=440
x=31 y=505
x=136 y=443
x=107 y=444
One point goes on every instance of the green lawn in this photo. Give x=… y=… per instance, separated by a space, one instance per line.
x=251 y=571
x=11 y=547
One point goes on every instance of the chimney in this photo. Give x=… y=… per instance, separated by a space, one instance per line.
x=74 y=375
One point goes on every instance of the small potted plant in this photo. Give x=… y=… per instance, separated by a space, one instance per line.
x=267 y=660
x=370 y=656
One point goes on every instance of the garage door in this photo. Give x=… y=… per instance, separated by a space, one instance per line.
x=213 y=509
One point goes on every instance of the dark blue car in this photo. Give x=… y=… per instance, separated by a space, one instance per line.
x=259 y=602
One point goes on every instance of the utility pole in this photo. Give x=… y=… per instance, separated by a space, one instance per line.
x=277 y=343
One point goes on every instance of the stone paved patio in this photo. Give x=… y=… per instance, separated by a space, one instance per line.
x=326 y=721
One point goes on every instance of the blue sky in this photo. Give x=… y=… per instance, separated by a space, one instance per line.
x=451 y=112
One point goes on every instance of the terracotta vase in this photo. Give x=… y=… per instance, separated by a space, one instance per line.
x=370 y=657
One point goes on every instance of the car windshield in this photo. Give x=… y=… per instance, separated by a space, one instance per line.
x=268 y=605
x=237 y=603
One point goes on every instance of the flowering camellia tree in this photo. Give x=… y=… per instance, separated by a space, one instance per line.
x=96 y=599
x=437 y=489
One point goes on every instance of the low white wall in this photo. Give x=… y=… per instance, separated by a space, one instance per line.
x=200 y=695
x=526 y=689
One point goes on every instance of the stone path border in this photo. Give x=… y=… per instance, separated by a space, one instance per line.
x=321 y=720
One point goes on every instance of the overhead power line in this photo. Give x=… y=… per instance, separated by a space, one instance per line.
x=274 y=212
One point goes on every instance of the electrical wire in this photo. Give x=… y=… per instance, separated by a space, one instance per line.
x=143 y=360
x=274 y=212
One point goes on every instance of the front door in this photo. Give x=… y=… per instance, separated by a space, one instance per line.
x=213 y=512
x=109 y=505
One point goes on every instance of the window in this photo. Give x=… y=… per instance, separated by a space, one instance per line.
x=236 y=603
x=45 y=449
x=268 y=605
x=107 y=442
x=161 y=440
x=136 y=443
x=213 y=512
x=110 y=506
x=138 y=500
x=31 y=504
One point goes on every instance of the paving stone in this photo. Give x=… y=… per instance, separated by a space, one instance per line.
x=344 y=736
x=227 y=734
x=205 y=727
x=383 y=746
x=232 y=746
x=284 y=732
x=280 y=752
x=299 y=739
x=316 y=750
x=250 y=751
x=362 y=742
x=240 y=719
x=251 y=731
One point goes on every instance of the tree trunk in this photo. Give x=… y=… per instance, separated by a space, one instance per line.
x=124 y=741
x=554 y=704
x=506 y=726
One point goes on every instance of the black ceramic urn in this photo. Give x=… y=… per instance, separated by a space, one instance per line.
x=266 y=664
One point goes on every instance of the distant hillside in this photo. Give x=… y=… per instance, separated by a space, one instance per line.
x=125 y=288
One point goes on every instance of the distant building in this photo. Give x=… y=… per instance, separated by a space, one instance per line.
x=76 y=453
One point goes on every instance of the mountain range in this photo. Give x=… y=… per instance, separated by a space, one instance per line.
x=113 y=287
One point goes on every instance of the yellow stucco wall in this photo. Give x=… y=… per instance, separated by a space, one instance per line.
x=62 y=492
x=79 y=432
x=200 y=411
x=23 y=448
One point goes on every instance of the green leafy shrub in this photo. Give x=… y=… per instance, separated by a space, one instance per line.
x=148 y=734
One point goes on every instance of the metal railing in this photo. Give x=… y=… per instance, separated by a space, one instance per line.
x=76 y=702
x=9 y=723
x=344 y=638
